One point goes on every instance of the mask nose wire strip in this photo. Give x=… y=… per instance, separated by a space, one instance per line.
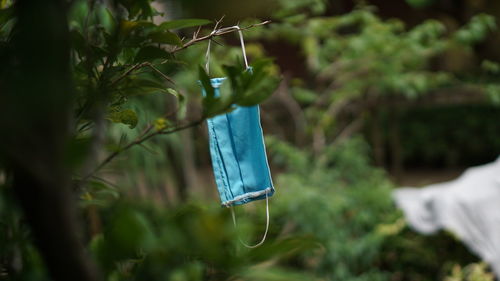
x=265 y=232
x=242 y=42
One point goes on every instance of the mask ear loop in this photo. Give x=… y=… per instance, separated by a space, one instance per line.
x=217 y=32
x=242 y=42
x=265 y=232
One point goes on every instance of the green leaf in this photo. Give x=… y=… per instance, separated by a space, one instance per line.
x=476 y=29
x=160 y=124
x=181 y=102
x=140 y=9
x=143 y=84
x=175 y=94
x=206 y=84
x=145 y=80
x=114 y=72
x=77 y=41
x=129 y=27
x=77 y=151
x=259 y=93
x=106 y=19
x=253 y=86
x=165 y=37
x=493 y=93
x=129 y=232
x=209 y=99
x=304 y=95
x=127 y=55
x=218 y=106
x=98 y=193
x=274 y=274
x=144 y=90
x=126 y=27
x=183 y=23
x=127 y=117
x=150 y=53
x=98 y=52
x=490 y=66
x=77 y=14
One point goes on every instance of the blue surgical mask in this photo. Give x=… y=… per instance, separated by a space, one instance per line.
x=238 y=154
x=237 y=150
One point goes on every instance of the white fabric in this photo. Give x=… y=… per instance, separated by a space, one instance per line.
x=469 y=207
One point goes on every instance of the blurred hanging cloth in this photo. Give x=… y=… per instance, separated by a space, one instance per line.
x=237 y=149
x=469 y=207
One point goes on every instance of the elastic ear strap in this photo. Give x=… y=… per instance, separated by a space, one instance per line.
x=207 y=57
x=243 y=51
x=215 y=33
x=265 y=232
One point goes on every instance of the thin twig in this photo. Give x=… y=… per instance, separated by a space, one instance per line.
x=141 y=65
x=144 y=136
x=191 y=42
x=139 y=141
x=217 y=42
x=161 y=73
x=214 y=34
x=151 y=125
x=197 y=32
x=134 y=67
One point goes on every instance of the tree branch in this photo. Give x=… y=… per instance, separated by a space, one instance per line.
x=215 y=33
x=139 y=140
x=141 y=65
x=147 y=134
x=195 y=39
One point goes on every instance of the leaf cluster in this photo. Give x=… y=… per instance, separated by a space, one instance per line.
x=246 y=87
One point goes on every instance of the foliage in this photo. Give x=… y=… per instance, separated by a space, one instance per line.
x=346 y=204
x=191 y=242
x=359 y=61
x=332 y=216
x=16 y=252
x=118 y=59
x=471 y=272
x=350 y=199
x=142 y=241
x=121 y=59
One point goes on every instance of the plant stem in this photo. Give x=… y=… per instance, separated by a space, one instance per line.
x=191 y=42
x=144 y=137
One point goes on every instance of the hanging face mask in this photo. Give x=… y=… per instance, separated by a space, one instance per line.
x=237 y=149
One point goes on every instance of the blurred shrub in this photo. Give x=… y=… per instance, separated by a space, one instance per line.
x=332 y=219
x=345 y=202
x=472 y=272
x=140 y=241
x=19 y=259
x=340 y=201
x=190 y=242
x=352 y=65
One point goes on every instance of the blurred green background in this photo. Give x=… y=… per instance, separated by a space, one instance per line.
x=105 y=171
